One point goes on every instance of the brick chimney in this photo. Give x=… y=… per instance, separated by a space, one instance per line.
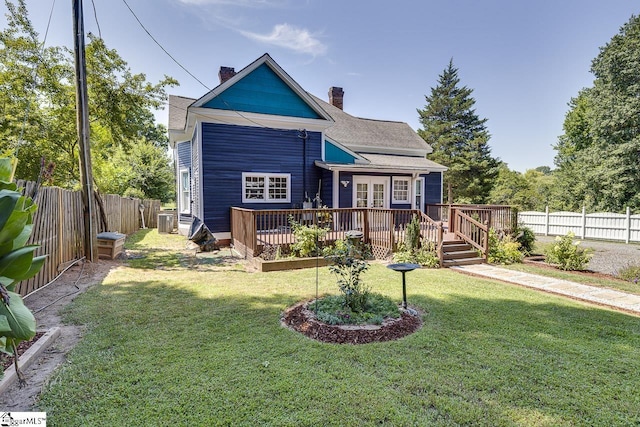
x=336 y=95
x=226 y=73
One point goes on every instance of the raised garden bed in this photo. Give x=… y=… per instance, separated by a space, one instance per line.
x=288 y=263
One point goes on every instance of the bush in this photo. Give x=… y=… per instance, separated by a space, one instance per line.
x=526 y=237
x=630 y=273
x=503 y=250
x=566 y=254
x=348 y=263
x=307 y=238
x=426 y=255
x=331 y=310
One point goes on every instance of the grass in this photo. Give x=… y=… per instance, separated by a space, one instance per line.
x=199 y=343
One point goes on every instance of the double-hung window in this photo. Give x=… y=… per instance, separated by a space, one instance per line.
x=266 y=187
x=185 y=191
x=401 y=189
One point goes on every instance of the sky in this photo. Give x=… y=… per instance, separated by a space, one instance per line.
x=524 y=60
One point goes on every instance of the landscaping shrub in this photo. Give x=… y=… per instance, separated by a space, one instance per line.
x=566 y=254
x=630 y=273
x=412 y=235
x=348 y=263
x=526 y=237
x=307 y=238
x=503 y=249
x=425 y=255
x=331 y=310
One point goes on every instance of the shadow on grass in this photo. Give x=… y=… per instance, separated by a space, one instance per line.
x=219 y=354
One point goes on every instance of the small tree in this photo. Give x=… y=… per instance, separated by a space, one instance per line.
x=17 y=263
x=348 y=263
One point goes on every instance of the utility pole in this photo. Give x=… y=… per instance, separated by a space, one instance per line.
x=82 y=110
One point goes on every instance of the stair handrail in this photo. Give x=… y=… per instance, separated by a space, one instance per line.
x=463 y=222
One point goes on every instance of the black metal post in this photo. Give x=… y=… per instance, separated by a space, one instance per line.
x=404 y=291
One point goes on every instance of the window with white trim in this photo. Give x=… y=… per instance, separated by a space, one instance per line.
x=185 y=191
x=401 y=189
x=266 y=187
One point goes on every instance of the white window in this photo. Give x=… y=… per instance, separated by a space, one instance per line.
x=401 y=190
x=185 y=191
x=266 y=187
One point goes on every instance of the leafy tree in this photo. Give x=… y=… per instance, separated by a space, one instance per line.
x=459 y=139
x=599 y=152
x=37 y=92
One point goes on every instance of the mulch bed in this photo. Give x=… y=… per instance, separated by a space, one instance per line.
x=303 y=320
x=538 y=261
x=7 y=360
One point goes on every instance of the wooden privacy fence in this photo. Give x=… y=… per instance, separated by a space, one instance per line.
x=58 y=226
x=601 y=225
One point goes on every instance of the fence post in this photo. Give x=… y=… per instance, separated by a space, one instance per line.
x=546 y=220
x=627 y=234
x=584 y=223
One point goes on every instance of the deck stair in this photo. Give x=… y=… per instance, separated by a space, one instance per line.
x=459 y=252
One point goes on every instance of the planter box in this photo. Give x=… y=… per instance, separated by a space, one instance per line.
x=288 y=264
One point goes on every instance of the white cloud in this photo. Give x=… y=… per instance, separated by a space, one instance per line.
x=297 y=39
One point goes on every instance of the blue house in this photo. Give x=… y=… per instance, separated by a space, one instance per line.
x=260 y=141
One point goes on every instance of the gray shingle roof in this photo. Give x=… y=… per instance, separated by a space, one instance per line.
x=358 y=132
x=178 y=111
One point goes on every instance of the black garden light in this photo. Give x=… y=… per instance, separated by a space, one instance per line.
x=403 y=268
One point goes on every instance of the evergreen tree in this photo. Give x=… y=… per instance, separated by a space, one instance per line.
x=459 y=139
x=599 y=153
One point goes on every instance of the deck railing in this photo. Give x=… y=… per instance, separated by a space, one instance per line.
x=253 y=230
x=503 y=218
x=474 y=231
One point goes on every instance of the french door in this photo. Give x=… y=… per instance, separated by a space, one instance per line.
x=370 y=192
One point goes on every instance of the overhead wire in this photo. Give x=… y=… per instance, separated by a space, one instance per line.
x=186 y=70
x=95 y=15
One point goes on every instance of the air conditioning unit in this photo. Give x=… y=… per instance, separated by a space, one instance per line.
x=165 y=223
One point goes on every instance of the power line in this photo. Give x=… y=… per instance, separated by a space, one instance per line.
x=95 y=15
x=161 y=47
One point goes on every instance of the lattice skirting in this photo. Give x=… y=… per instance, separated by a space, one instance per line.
x=380 y=252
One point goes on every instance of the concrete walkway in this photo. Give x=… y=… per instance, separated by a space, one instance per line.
x=594 y=294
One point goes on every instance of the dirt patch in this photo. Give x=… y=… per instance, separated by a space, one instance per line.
x=46 y=305
x=303 y=320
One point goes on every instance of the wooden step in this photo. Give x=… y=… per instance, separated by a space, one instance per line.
x=459 y=254
x=462 y=261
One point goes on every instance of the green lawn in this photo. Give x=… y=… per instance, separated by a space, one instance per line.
x=172 y=339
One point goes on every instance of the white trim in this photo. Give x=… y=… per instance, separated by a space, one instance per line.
x=370 y=169
x=358 y=158
x=370 y=180
x=257 y=119
x=182 y=209
x=409 y=182
x=442 y=188
x=264 y=59
x=200 y=172
x=413 y=195
x=266 y=176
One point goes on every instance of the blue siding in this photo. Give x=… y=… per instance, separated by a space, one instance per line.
x=184 y=162
x=229 y=150
x=433 y=187
x=333 y=154
x=326 y=193
x=262 y=91
x=346 y=194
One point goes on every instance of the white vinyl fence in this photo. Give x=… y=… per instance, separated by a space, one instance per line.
x=601 y=225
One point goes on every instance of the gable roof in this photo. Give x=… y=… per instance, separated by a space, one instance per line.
x=375 y=136
x=289 y=89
